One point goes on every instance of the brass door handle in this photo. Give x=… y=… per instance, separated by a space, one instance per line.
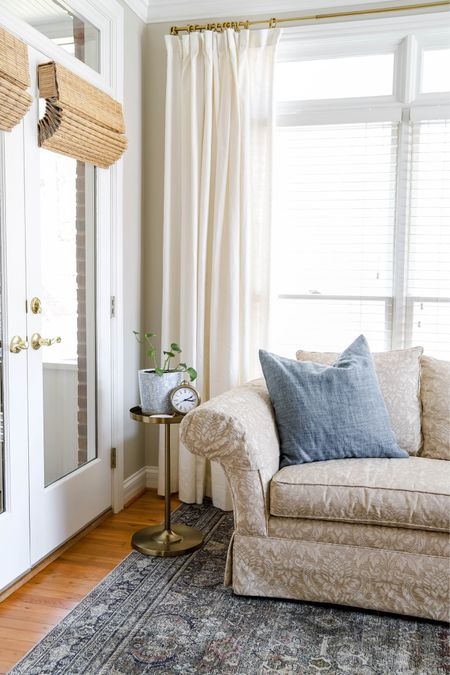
x=17 y=344
x=37 y=341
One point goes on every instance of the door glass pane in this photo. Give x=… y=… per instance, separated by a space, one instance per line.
x=345 y=77
x=67 y=221
x=62 y=25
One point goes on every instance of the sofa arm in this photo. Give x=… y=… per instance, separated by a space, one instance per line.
x=237 y=429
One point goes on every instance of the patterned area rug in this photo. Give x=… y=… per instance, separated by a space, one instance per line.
x=173 y=615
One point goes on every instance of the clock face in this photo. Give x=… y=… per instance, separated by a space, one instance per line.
x=184 y=399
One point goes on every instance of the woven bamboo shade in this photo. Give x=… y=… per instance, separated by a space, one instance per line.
x=14 y=80
x=80 y=120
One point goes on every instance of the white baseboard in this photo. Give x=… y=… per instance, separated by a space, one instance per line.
x=151 y=477
x=147 y=477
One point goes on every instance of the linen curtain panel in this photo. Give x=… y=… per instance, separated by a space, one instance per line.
x=217 y=213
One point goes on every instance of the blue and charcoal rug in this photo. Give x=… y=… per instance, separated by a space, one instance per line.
x=173 y=615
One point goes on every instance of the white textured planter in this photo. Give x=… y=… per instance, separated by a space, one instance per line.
x=155 y=390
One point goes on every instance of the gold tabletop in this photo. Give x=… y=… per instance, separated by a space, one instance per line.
x=137 y=414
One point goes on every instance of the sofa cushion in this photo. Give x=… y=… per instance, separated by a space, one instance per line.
x=398 y=374
x=435 y=395
x=404 y=539
x=413 y=492
x=329 y=412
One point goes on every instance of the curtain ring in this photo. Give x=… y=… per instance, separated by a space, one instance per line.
x=273 y=23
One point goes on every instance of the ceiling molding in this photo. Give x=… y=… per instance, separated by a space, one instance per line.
x=177 y=11
x=185 y=10
x=139 y=7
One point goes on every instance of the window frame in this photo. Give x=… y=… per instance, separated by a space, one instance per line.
x=407 y=37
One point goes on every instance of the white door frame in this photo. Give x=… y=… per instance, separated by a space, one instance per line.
x=107 y=16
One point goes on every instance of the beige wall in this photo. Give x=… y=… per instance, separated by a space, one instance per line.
x=154 y=102
x=134 y=33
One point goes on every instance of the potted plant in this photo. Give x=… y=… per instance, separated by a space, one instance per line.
x=156 y=384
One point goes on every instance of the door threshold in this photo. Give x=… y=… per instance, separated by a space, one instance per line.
x=42 y=564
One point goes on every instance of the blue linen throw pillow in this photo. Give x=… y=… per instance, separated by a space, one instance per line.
x=329 y=412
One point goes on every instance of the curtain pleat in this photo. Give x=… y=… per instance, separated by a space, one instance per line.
x=217 y=213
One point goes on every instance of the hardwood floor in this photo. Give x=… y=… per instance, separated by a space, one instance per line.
x=31 y=611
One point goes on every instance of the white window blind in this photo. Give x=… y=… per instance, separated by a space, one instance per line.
x=428 y=286
x=334 y=235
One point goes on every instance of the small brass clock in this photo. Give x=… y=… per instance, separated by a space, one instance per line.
x=184 y=398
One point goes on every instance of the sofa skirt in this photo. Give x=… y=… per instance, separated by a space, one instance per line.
x=357 y=576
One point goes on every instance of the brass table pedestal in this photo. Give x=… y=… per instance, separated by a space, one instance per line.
x=165 y=539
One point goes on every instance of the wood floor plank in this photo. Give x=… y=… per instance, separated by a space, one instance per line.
x=31 y=611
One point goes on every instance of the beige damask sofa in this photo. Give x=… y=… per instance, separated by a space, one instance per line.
x=370 y=533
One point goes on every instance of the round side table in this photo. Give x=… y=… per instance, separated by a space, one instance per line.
x=165 y=539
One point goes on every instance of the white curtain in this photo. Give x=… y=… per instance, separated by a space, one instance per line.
x=217 y=212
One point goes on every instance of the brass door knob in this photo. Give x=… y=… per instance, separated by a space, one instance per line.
x=37 y=341
x=17 y=344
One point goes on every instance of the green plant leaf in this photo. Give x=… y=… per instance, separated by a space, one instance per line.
x=149 y=335
x=182 y=366
x=169 y=354
x=159 y=371
x=151 y=353
x=175 y=348
x=192 y=373
x=136 y=332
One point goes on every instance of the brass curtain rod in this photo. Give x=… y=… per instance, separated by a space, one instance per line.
x=273 y=23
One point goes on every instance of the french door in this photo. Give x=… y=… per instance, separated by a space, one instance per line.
x=14 y=468
x=56 y=377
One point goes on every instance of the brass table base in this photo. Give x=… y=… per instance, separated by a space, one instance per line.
x=166 y=539
x=157 y=540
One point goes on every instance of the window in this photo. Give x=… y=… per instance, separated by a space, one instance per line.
x=336 y=205
x=371 y=75
x=435 y=70
x=362 y=200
